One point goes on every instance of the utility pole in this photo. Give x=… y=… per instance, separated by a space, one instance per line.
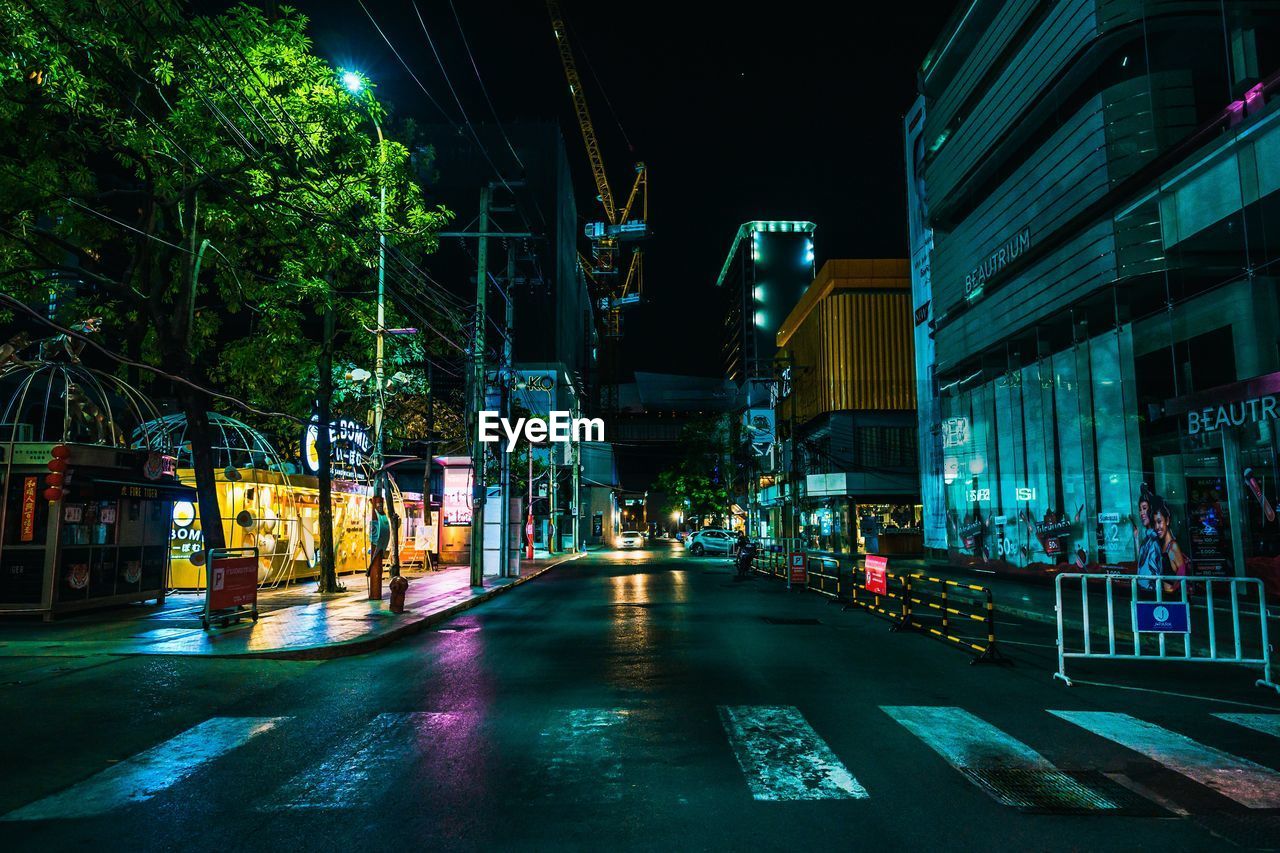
x=576 y=503
x=478 y=488
x=553 y=472
x=504 y=547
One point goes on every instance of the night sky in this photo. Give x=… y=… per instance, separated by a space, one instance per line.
x=791 y=114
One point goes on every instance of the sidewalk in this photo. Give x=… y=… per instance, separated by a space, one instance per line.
x=294 y=623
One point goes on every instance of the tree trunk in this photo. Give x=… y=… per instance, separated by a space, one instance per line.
x=196 y=406
x=325 y=559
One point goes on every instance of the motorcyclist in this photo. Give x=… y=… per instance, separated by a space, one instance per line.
x=746 y=554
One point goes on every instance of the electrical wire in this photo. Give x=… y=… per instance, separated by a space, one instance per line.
x=128 y=362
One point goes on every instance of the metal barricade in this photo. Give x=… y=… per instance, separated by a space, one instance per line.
x=771 y=557
x=951 y=601
x=1207 y=627
x=827 y=578
x=909 y=597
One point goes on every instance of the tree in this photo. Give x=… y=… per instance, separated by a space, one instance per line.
x=207 y=183
x=697 y=484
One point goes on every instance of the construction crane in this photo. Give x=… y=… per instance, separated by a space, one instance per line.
x=610 y=290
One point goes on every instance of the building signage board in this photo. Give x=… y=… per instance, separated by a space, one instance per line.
x=991 y=266
x=349 y=446
x=28 y=532
x=1163 y=617
x=955 y=433
x=922 y=313
x=877 y=574
x=1239 y=413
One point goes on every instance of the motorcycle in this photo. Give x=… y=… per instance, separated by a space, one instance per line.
x=746 y=556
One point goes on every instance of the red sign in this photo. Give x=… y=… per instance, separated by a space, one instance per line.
x=233 y=582
x=799 y=567
x=877 y=568
x=28 y=533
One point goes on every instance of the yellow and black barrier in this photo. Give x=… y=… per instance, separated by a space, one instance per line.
x=823 y=576
x=953 y=601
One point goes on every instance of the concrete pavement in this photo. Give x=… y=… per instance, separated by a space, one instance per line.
x=294 y=621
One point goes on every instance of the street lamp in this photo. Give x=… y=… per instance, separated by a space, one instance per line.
x=355 y=84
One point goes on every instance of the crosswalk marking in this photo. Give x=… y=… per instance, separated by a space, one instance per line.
x=583 y=750
x=356 y=771
x=782 y=756
x=148 y=773
x=1268 y=724
x=1005 y=768
x=1247 y=783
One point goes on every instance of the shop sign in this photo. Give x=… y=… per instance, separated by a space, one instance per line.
x=877 y=574
x=1163 y=617
x=233 y=582
x=955 y=432
x=349 y=447
x=1211 y=418
x=159 y=465
x=993 y=264
x=28 y=533
x=922 y=313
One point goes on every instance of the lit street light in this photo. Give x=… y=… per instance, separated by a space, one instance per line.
x=355 y=84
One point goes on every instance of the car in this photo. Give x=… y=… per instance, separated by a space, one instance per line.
x=630 y=539
x=710 y=541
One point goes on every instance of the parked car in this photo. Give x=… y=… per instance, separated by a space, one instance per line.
x=710 y=541
x=630 y=539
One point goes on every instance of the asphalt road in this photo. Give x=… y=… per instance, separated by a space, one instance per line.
x=645 y=700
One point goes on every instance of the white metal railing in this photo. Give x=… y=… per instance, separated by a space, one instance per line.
x=1204 y=611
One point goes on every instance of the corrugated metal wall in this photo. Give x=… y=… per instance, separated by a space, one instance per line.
x=855 y=352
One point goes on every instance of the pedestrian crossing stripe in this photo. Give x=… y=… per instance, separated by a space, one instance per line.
x=150 y=772
x=354 y=773
x=1249 y=784
x=1268 y=724
x=1009 y=771
x=582 y=750
x=783 y=758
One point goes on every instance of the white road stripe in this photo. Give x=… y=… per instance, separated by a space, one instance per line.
x=583 y=750
x=987 y=756
x=1268 y=724
x=1249 y=784
x=148 y=773
x=782 y=756
x=357 y=771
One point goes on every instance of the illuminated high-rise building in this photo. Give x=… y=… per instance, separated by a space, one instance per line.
x=770 y=264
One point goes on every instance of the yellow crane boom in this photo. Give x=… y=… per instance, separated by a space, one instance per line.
x=584 y=113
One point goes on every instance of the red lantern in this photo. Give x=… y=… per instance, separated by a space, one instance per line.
x=59 y=472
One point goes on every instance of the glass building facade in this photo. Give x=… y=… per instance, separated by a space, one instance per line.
x=1102 y=185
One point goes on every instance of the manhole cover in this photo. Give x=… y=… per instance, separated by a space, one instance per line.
x=1055 y=791
x=777 y=620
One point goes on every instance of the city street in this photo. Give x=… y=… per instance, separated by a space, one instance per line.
x=635 y=700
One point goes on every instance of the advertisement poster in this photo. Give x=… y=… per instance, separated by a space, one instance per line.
x=1209 y=526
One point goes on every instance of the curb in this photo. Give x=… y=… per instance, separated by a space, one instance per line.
x=372 y=643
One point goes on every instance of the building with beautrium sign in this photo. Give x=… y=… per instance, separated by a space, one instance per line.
x=1103 y=193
